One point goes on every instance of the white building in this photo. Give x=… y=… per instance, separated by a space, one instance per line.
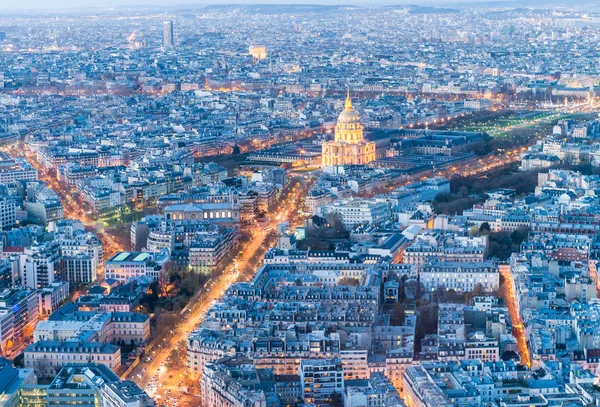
x=227 y=213
x=228 y=384
x=479 y=346
x=80 y=268
x=53 y=296
x=460 y=276
x=320 y=378
x=109 y=327
x=207 y=251
x=478 y=104
x=356 y=212
x=81 y=243
x=354 y=363
x=19 y=314
x=316 y=198
x=124 y=266
x=16 y=169
x=48 y=357
x=94 y=384
x=39 y=265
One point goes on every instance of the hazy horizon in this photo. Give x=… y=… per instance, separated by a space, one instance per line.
x=74 y=4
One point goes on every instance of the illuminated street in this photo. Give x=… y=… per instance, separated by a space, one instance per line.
x=285 y=204
x=515 y=315
x=216 y=287
x=73 y=208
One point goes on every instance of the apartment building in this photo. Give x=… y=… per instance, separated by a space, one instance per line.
x=460 y=276
x=320 y=379
x=48 y=357
x=93 y=384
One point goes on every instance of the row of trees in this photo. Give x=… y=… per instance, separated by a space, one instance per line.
x=450 y=204
x=468 y=191
x=503 y=244
x=516 y=138
x=523 y=182
x=325 y=236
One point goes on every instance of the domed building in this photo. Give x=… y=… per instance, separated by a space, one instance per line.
x=349 y=146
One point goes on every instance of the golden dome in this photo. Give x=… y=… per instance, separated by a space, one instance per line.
x=349 y=115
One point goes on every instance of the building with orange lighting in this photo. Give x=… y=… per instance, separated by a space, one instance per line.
x=349 y=145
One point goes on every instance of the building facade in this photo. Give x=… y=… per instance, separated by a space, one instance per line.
x=349 y=146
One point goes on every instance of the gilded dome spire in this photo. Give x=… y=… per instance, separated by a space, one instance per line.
x=349 y=116
x=348 y=100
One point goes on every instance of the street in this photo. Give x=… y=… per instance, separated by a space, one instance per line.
x=201 y=302
x=515 y=315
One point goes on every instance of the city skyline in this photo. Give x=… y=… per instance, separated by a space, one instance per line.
x=274 y=205
x=74 y=5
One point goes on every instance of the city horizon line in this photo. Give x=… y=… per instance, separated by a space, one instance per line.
x=145 y=4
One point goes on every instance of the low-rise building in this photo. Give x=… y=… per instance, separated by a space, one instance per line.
x=48 y=357
x=124 y=266
x=460 y=276
x=94 y=384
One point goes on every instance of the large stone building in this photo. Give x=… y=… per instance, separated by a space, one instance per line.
x=349 y=146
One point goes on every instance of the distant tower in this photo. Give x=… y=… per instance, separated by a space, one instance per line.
x=168 y=34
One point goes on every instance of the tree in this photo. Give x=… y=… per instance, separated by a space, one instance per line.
x=398 y=315
x=335 y=221
x=453 y=204
x=236 y=149
x=452 y=296
x=478 y=290
x=175 y=359
x=348 y=281
x=151 y=299
x=500 y=245
x=189 y=285
x=413 y=289
x=518 y=236
x=336 y=400
x=484 y=229
x=440 y=292
x=427 y=319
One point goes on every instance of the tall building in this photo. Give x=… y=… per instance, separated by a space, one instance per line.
x=19 y=315
x=40 y=265
x=168 y=34
x=321 y=378
x=8 y=212
x=349 y=146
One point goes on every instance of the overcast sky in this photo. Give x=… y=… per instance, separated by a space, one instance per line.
x=61 y=4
